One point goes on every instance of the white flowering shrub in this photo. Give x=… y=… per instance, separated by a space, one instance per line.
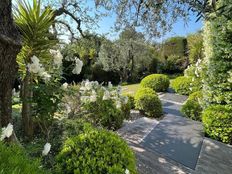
x=218 y=57
x=6 y=132
x=196 y=73
x=104 y=105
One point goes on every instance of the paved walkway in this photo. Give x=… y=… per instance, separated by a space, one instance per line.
x=175 y=144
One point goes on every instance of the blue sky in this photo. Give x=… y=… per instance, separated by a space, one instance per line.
x=179 y=28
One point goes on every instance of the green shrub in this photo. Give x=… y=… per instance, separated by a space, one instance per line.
x=131 y=100
x=192 y=107
x=173 y=64
x=182 y=85
x=104 y=106
x=13 y=160
x=217 y=121
x=217 y=50
x=104 y=113
x=126 y=108
x=157 y=82
x=98 y=151
x=147 y=101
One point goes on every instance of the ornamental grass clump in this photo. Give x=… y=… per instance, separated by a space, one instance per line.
x=148 y=102
x=157 y=82
x=96 y=151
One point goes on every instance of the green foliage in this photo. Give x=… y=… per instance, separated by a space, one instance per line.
x=192 y=108
x=181 y=85
x=105 y=106
x=147 y=101
x=46 y=100
x=196 y=74
x=34 y=24
x=157 y=82
x=217 y=121
x=95 y=151
x=195 y=46
x=173 y=64
x=13 y=160
x=175 y=46
x=104 y=113
x=131 y=100
x=217 y=48
x=129 y=56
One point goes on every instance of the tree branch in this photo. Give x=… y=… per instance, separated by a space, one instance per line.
x=68 y=27
x=62 y=10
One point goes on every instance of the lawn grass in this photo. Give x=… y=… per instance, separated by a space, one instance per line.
x=130 y=89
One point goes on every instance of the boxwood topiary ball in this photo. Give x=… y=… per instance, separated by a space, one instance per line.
x=157 y=82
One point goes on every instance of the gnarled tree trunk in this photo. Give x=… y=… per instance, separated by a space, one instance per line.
x=26 y=95
x=10 y=45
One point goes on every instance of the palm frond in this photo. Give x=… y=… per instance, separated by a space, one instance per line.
x=34 y=24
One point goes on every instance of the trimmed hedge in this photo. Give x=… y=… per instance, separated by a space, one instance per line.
x=217 y=121
x=96 y=151
x=13 y=160
x=181 y=85
x=192 y=107
x=157 y=82
x=147 y=101
x=218 y=56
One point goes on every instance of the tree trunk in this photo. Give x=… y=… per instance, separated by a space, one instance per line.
x=26 y=106
x=10 y=45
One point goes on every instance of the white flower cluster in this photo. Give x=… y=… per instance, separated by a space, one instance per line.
x=64 y=86
x=78 y=66
x=36 y=67
x=46 y=150
x=6 y=131
x=127 y=171
x=198 y=68
x=57 y=57
x=91 y=90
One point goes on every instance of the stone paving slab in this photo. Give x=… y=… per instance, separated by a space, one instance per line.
x=170 y=97
x=177 y=138
x=215 y=158
x=150 y=162
x=135 y=131
x=170 y=108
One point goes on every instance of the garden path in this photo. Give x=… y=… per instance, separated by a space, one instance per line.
x=175 y=144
